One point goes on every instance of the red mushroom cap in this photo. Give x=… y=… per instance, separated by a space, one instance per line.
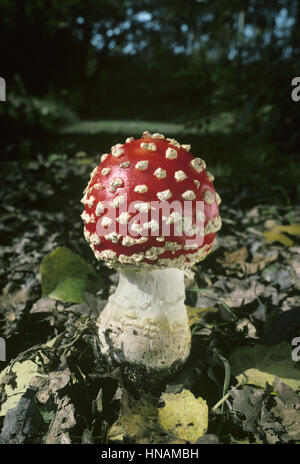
x=129 y=215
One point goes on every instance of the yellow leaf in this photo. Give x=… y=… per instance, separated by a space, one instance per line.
x=184 y=415
x=138 y=422
x=24 y=372
x=272 y=237
x=293 y=229
x=277 y=234
x=198 y=314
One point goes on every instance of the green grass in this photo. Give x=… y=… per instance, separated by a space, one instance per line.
x=220 y=123
x=123 y=127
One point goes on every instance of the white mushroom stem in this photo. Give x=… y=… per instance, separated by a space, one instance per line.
x=145 y=321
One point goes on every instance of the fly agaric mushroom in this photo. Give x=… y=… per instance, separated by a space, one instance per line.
x=130 y=226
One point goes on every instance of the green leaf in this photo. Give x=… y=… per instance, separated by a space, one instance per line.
x=260 y=364
x=47 y=416
x=66 y=276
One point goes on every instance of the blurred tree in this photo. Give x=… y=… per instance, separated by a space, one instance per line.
x=162 y=59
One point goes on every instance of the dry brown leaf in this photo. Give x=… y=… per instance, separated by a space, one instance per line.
x=62 y=422
x=235 y=262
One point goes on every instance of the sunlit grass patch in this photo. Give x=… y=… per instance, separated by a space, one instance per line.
x=124 y=127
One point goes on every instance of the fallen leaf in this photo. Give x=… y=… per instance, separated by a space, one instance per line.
x=59 y=379
x=184 y=415
x=269 y=427
x=12 y=297
x=22 y=421
x=138 y=422
x=260 y=364
x=197 y=315
x=243 y=291
x=236 y=262
x=234 y=258
x=278 y=274
x=247 y=401
x=23 y=373
x=277 y=234
x=48 y=384
x=66 y=276
x=61 y=424
x=43 y=305
x=287 y=410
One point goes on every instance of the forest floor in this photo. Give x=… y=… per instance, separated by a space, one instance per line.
x=244 y=311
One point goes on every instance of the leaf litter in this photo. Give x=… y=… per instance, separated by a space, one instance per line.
x=240 y=383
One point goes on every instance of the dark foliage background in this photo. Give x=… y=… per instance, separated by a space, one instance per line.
x=223 y=69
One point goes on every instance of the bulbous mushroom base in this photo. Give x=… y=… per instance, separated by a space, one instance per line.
x=145 y=323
